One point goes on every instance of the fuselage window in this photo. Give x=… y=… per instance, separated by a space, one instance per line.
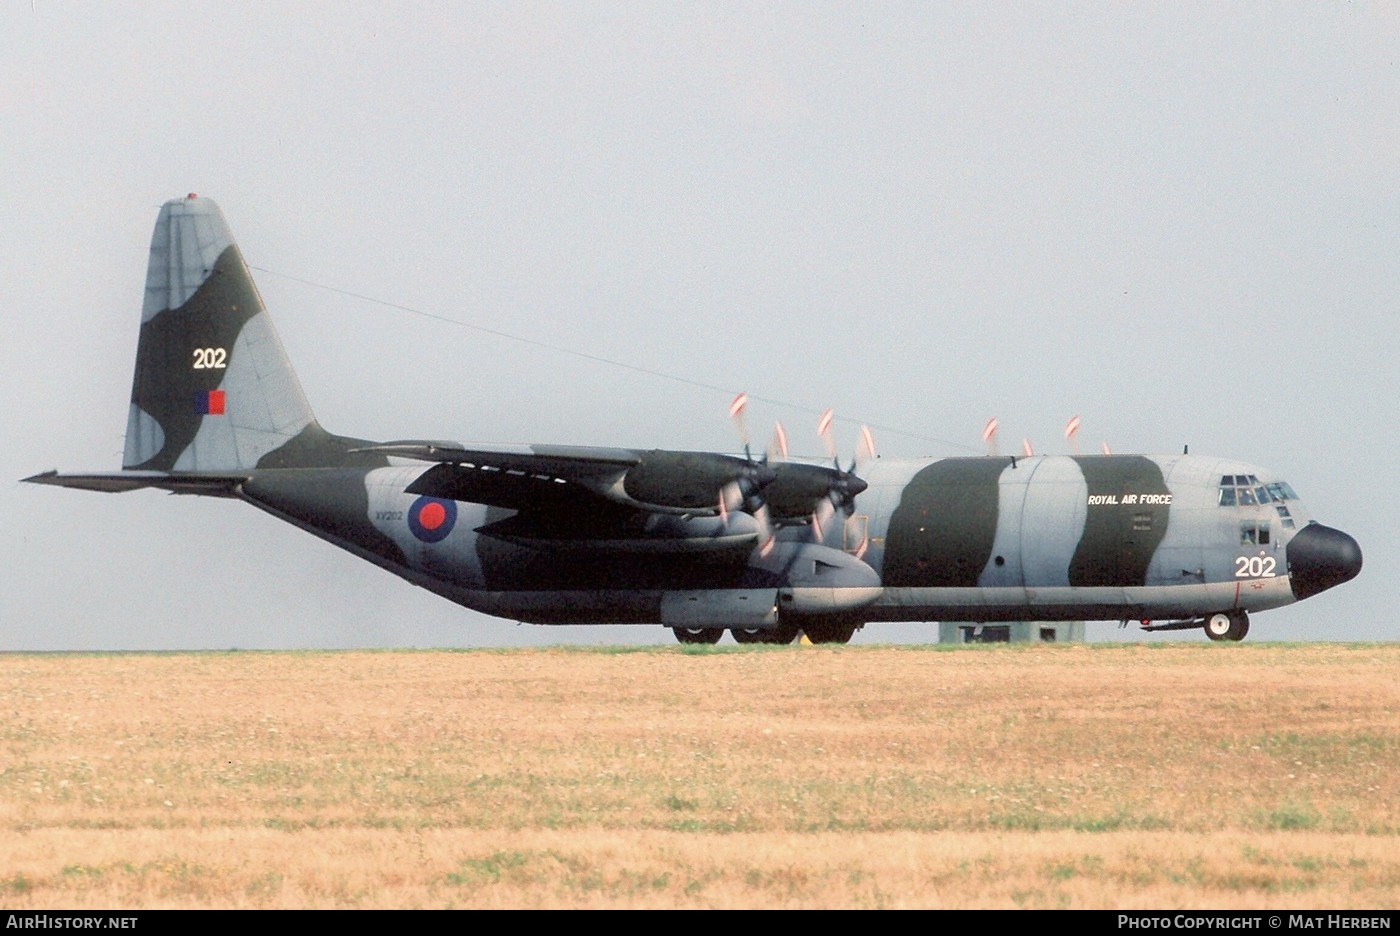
x=1227 y=497
x=1246 y=496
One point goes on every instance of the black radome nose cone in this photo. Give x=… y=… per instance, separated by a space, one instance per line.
x=1320 y=557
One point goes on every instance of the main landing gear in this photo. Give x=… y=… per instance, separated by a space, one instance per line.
x=837 y=631
x=698 y=635
x=832 y=631
x=782 y=634
x=1231 y=625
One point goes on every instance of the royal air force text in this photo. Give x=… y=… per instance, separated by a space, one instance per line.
x=1132 y=500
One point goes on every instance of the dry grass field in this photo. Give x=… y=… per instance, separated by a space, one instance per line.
x=1147 y=776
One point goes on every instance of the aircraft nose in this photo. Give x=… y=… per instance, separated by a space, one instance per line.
x=1320 y=557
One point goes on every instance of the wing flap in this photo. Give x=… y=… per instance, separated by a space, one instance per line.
x=511 y=488
x=569 y=462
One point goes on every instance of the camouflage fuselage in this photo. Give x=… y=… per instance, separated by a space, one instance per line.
x=968 y=539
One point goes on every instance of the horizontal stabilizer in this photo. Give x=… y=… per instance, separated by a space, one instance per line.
x=215 y=485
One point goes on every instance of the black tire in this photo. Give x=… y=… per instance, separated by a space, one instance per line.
x=751 y=636
x=698 y=635
x=830 y=632
x=1239 y=626
x=782 y=634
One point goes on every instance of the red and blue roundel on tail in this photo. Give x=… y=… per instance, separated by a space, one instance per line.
x=432 y=518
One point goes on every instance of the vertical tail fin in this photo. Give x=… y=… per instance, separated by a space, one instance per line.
x=213 y=389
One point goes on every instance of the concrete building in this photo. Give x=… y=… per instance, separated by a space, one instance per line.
x=1012 y=632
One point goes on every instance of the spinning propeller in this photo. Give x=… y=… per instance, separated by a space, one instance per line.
x=798 y=492
x=736 y=494
x=989 y=436
x=842 y=491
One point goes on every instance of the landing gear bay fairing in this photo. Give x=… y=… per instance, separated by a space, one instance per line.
x=698 y=542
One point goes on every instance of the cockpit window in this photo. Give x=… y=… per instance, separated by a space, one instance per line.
x=1249 y=491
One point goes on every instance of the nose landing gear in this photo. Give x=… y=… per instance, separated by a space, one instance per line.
x=1231 y=625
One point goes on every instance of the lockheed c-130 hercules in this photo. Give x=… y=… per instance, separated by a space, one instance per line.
x=698 y=542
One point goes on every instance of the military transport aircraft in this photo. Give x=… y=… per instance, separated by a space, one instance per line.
x=701 y=543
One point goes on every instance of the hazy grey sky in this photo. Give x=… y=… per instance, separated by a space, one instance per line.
x=1179 y=221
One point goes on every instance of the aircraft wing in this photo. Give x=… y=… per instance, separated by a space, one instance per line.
x=526 y=477
x=539 y=476
x=555 y=461
x=591 y=499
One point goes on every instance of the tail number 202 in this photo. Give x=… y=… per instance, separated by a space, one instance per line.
x=210 y=358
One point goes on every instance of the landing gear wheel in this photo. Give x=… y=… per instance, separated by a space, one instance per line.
x=698 y=635
x=829 y=632
x=782 y=634
x=1227 y=626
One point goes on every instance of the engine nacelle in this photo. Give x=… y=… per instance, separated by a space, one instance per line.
x=814 y=579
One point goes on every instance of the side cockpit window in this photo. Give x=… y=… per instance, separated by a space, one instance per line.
x=1254 y=534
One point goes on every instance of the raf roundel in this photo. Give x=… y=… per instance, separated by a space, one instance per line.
x=432 y=518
